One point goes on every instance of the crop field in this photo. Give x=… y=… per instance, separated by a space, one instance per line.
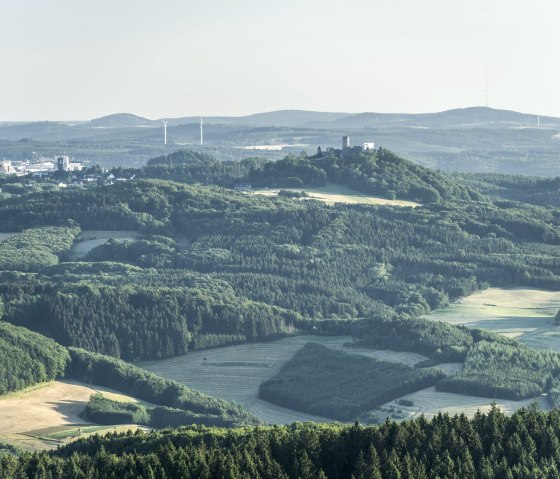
x=523 y=313
x=89 y=239
x=331 y=194
x=48 y=415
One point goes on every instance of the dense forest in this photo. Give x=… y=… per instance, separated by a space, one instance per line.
x=102 y=410
x=33 y=249
x=525 y=189
x=488 y=446
x=440 y=341
x=233 y=267
x=27 y=358
x=506 y=370
x=335 y=384
x=138 y=322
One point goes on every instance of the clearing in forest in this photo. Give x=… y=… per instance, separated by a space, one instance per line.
x=333 y=193
x=523 y=313
x=89 y=239
x=235 y=372
x=429 y=402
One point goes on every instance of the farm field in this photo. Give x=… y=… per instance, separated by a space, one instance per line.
x=429 y=402
x=48 y=415
x=89 y=239
x=236 y=372
x=331 y=194
x=523 y=313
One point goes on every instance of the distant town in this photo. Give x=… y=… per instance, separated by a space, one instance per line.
x=60 y=170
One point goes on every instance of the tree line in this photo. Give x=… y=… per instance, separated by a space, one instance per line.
x=488 y=446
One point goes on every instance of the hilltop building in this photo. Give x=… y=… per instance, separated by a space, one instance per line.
x=347 y=148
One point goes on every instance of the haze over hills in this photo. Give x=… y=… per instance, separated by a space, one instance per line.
x=476 y=139
x=471 y=117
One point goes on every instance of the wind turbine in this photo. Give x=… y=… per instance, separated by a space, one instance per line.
x=201 y=132
x=164 y=132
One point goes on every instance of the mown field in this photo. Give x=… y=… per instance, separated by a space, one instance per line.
x=523 y=313
x=332 y=193
x=236 y=372
x=429 y=402
x=48 y=415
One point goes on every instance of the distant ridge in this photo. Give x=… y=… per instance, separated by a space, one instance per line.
x=128 y=124
x=470 y=117
x=120 y=120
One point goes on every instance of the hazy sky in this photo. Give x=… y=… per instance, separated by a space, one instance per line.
x=78 y=59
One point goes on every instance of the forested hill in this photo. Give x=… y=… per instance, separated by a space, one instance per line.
x=214 y=266
x=376 y=172
x=489 y=446
x=524 y=189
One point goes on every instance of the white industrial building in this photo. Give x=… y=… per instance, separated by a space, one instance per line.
x=63 y=163
x=6 y=168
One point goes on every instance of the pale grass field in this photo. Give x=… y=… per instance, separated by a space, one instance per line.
x=429 y=402
x=32 y=418
x=236 y=372
x=89 y=239
x=331 y=194
x=277 y=147
x=524 y=313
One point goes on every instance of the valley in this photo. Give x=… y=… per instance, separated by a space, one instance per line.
x=235 y=372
